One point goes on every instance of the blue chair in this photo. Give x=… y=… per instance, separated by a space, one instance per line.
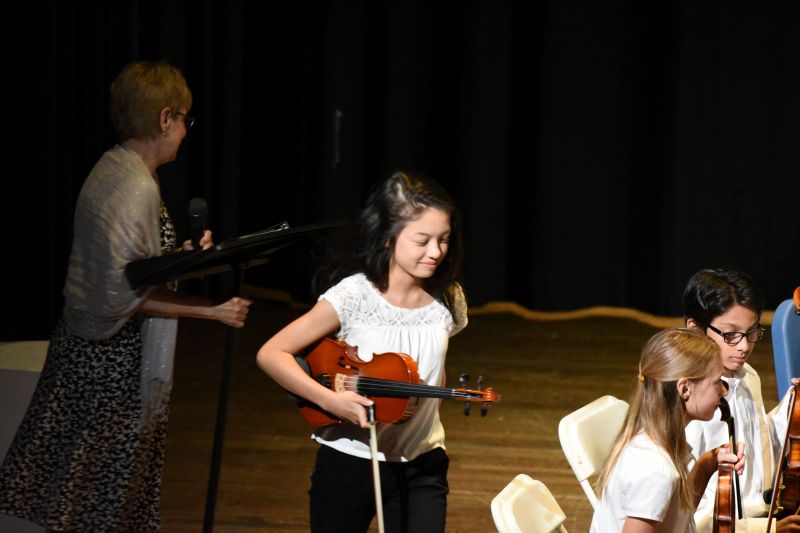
x=786 y=345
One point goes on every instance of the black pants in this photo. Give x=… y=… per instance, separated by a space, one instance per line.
x=342 y=497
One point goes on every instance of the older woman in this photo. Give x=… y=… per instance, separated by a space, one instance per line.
x=90 y=452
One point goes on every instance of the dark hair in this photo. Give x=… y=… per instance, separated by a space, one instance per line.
x=392 y=203
x=713 y=291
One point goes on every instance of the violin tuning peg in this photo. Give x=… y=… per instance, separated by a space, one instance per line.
x=484 y=409
x=463 y=379
x=467 y=409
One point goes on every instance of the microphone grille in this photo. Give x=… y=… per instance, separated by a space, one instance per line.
x=197 y=207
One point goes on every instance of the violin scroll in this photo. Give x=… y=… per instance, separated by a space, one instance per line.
x=484 y=396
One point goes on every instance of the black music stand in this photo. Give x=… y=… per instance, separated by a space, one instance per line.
x=234 y=255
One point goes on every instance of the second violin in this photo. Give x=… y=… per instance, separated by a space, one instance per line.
x=725 y=504
x=786 y=484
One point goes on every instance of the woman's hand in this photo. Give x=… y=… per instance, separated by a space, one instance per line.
x=233 y=312
x=206 y=242
x=164 y=303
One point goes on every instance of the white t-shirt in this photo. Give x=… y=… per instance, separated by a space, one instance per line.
x=643 y=485
x=369 y=322
x=762 y=435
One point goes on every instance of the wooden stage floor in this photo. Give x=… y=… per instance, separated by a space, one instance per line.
x=543 y=370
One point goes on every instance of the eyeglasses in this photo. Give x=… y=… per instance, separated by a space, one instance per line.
x=732 y=338
x=188 y=120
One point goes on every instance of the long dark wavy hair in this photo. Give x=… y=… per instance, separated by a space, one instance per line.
x=370 y=244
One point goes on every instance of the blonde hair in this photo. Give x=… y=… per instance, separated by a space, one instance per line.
x=140 y=92
x=656 y=408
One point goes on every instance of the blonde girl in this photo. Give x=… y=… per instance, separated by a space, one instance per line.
x=645 y=484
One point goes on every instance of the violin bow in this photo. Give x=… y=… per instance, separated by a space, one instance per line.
x=376 y=472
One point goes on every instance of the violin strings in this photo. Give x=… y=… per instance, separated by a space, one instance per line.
x=376 y=386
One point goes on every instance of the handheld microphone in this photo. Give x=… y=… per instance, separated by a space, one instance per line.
x=198 y=210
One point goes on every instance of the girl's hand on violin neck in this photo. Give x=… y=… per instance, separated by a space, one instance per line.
x=350 y=407
x=724 y=455
x=709 y=462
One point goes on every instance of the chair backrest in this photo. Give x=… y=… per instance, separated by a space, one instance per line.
x=786 y=345
x=587 y=435
x=526 y=505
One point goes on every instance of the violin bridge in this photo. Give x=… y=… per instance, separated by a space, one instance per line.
x=343 y=382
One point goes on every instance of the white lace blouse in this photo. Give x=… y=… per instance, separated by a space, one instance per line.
x=374 y=325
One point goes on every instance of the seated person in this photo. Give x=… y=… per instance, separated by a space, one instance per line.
x=645 y=484
x=726 y=305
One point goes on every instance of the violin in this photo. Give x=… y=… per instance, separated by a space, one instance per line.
x=785 y=499
x=724 y=504
x=391 y=380
x=727 y=482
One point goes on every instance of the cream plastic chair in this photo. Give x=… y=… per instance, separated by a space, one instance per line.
x=587 y=435
x=526 y=505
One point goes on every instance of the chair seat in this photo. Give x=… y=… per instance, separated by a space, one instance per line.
x=526 y=505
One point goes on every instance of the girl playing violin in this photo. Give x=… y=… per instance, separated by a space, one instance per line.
x=726 y=306
x=396 y=291
x=645 y=484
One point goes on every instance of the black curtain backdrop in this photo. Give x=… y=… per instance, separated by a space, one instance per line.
x=601 y=151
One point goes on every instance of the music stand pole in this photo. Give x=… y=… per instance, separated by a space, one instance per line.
x=222 y=408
